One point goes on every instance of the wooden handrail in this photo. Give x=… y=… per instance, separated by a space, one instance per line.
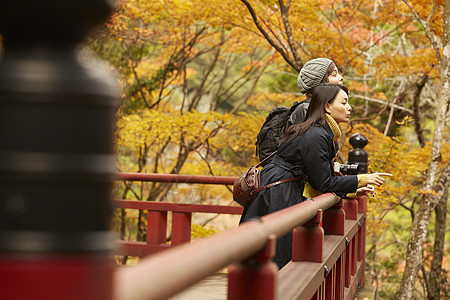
x=283 y=221
x=166 y=273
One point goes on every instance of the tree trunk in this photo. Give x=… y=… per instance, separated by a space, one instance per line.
x=420 y=225
x=438 y=251
x=418 y=235
x=417 y=119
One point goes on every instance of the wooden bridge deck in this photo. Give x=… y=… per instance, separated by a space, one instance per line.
x=211 y=288
x=215 y=288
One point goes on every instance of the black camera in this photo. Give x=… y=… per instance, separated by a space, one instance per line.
x=349 y=169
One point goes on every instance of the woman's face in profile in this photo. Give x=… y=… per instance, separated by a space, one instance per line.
x=335 y=77
x=339 y=109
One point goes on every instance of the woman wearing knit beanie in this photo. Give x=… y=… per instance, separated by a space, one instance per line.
x=313 y=73
x=308 y=149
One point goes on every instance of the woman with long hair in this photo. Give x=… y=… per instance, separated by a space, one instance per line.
x=309 y=149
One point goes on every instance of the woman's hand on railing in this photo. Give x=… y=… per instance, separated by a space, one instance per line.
x=368 y=190
x=377 y=178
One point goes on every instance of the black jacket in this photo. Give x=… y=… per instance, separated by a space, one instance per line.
x=311 y=153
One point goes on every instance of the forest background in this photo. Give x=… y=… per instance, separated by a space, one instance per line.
x=199 y=77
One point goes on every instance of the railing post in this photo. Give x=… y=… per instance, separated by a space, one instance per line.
x=348 y=263
x=156 y=227
x=350 y=206
x=181 y=228
x=339 y=284
x=334 y=223
x=334 y=219
x=254 y=278
x=351 y=213
x=362 y=208
x=354 y=243
x=307 y=240
x=56 y=164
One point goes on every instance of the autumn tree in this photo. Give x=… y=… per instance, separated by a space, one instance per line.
x=435 y=187
x=179 y=63
x=199 y=78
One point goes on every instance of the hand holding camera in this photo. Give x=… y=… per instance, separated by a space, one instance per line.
x=343 y=169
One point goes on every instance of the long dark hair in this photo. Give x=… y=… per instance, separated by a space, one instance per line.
x=322 y=94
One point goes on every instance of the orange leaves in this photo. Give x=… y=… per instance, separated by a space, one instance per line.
x=421 y=61
x=172 y=23
x=356 y=86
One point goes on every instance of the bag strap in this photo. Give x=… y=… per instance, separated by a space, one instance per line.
x=276 y=183
x=270 y=155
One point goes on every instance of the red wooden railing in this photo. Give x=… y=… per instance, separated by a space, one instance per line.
x=328 y=252
x=157 y=224
x=157 y=213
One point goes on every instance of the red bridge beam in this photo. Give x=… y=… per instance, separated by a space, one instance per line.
x=178 y=207
x=176 y=178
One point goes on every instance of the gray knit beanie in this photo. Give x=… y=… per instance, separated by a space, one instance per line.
x=312 y=73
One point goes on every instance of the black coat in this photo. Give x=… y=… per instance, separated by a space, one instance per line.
x=311 y=153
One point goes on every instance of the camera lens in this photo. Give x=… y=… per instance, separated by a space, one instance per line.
x=349 y=169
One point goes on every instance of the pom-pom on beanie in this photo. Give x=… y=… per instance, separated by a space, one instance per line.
x=312 y=73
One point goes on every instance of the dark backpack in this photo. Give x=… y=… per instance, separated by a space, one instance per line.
x=272 y=130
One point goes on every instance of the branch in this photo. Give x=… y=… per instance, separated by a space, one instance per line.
x=417 y=118
x=182 y=56
x=139 y=85
x=369 y=251
x=276 y=36
x=373 y=44
x=199 y=91
x=250 y=91
x=284 y=10
x=388 y=104
x=426 y=27
x=268 y=38
x=341 y=30
x=411 y=210
x=210 y=170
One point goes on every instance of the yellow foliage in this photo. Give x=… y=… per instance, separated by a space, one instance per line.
x=151 y=128
x=407 y=164
x=198 y=231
